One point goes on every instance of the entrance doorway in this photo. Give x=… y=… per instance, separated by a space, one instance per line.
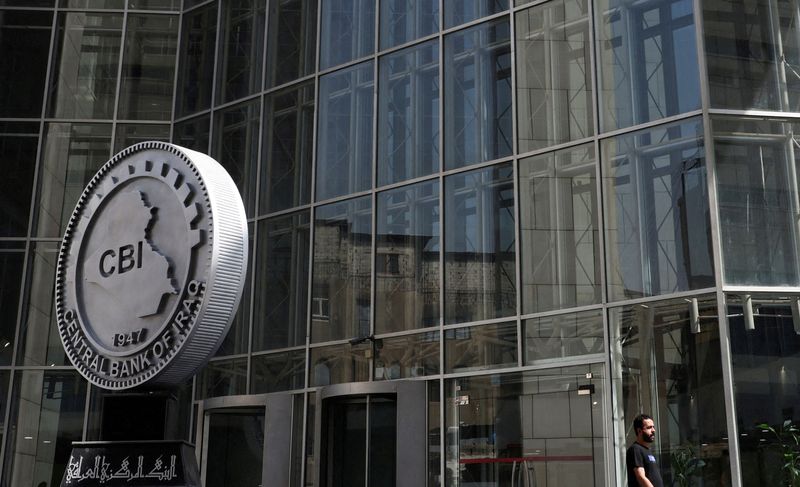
x=370 y=435
x=248 y=441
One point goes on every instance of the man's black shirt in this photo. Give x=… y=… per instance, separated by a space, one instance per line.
x=640 y=456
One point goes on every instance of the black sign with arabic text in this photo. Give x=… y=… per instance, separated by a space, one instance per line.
x=131 y=463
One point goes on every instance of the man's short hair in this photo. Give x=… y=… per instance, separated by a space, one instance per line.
x=638 y=421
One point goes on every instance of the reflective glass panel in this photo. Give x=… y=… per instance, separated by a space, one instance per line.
x=11 y=263
x=408 y=113
x=25 y=43
x=129 y=134
x=407 y=356
x=235 y=146
x=648 y=61
x=196 y=70
x=344 y=138
x=766 y=369
x=527 y=429
x=340 y=296
x=278 y=372
x=337 y=364
x=288 y=143
x=71 y=155
x=407 y=248
x=38 y=335
x=405 y=20
x=559 y=230
x=480 y=347
x=477 y=103
x=154 y=4
x=241 y=49
x=4 y=377
x=108 y=4
x=235 y=449
x=757 y=192
x=18 y=145
x=292 y=43
x=657 y=223
x=83 y=83
x=480 y=257
x=222 y=378
x=238 y=336
x=27 y=3
x=193 y=134
x=148 y=67
x=564 y=336
x=347 y=31
x=458 y=12
x=280 y=313
x=664 y=367
x=753 y=54
x=554 y=84
x=47 y=409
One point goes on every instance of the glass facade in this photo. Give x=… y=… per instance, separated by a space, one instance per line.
x=553 y=215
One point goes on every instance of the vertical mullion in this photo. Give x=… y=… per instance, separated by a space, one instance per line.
x=120 y=63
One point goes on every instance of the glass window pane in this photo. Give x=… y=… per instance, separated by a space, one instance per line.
x=193 y=134
x=340 y=299
x=757 y=193
x=278 y=372
x=554 y=85
x=405 y=20
x=4 y=393
x=480 y=347
x=27 y=3
x=46 y=417
x=11 y=263
x=656 y=199
x=241 y=49
x=407 y=356
x=25 y=43
x=338 y=364
x=236 y=340
x=344 y=138
x=129 y=134
x=559 y=230
x=407 y=258
x=766 y=367
x=477 y=103
x=107 y=4
x=458 y=12
x=281 y=303
x=154 y=4
x=480 y=257
x=527 y=429
x=564 y=336
x=648 y=61
x=661 y=367
x=408 y=114
x=18 y=145
x=235 y=454
x=236 y=132
x=148 y=67
x=222 y=378
x=292 y=44
x=289 y=133
x=753 y=54
x=86 y=59
x=71 y=155
x=38 y=335
x=347 y=31
x=198 y=37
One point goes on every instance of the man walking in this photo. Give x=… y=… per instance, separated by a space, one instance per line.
x=642 y=466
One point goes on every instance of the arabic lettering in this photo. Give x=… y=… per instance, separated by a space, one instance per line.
x=101 y=470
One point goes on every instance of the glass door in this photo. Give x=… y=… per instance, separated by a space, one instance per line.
x=235 y=448
x=363 y=439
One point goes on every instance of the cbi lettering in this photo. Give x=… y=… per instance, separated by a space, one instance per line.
x=122 y=260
